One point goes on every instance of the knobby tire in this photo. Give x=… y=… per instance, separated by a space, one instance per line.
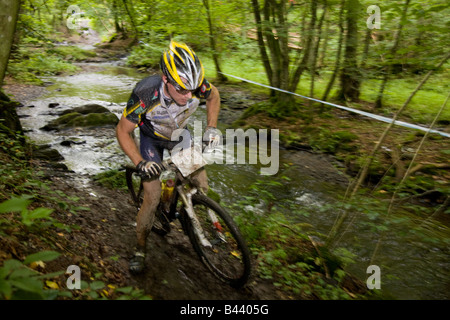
x=230 y=260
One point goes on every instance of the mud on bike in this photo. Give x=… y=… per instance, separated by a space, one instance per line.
x=211 y=230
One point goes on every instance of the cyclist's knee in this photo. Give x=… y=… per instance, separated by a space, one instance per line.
x=200 y=180
x=152 y=190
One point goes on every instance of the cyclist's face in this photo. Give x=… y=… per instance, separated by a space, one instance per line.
x=179 y=95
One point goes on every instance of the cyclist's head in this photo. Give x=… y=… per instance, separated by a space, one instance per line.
x=180 y=61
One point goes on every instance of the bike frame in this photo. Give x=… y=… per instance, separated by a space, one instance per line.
x=186 y=198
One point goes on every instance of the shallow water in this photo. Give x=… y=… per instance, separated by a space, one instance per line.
x=410 y=267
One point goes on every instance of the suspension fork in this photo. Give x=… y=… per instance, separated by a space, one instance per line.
x=186 y=197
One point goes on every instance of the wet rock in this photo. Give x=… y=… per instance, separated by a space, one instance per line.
x=86 y=109
x=53 y=105
x=69 y=143
x=87 y=117
x=45 y=152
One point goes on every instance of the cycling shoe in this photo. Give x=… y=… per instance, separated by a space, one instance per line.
x=137 y=263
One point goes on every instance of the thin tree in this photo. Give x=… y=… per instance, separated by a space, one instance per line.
x=338 y=53
x=295 y=78
x=220 y=76
x=315 y=51
x=392 y=51
x=130 y=12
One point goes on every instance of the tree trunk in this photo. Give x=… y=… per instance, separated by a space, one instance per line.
x=273 y=28
x=350 y=75
x=367 y=38
x=315 y=52
x=130 y=14
x=387 y=70
x=307 y=49
x=115 y=12
x=325 y=43
x=220 y=76
x=9 y=11
x=261 y=45
x=338 y=54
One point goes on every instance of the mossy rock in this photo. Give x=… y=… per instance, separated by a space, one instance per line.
x=86 y=109
x=92 y=120
x=45 y=152
x=75 y=119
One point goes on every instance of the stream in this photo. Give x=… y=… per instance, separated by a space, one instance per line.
x=410 y=267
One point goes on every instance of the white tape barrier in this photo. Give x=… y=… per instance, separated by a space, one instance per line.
x=367 y=114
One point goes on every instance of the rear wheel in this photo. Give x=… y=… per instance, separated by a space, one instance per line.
x=161 y=225
x=227 y=256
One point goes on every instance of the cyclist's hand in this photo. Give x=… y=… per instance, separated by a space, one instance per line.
x=148 y=168
x=211 y=137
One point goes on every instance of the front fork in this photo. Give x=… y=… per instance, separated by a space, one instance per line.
x=187 y=200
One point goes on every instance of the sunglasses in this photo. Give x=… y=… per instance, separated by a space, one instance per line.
x=179 y=89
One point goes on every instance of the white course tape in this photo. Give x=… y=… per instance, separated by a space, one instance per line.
x=367 y=114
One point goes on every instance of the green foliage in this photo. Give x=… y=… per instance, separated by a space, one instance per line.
x=18 y=282
x=284 y=252
x=113 y=179
x=148 y=53
x=72 y=53
x=330 y=142
x=29 y=217
x=28 y=65
x=98 y=290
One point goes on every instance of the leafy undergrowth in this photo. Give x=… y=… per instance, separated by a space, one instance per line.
x=35 y=252
x=290 y=254
x=29 y=64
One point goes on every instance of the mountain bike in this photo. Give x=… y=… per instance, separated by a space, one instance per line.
x=212 y=232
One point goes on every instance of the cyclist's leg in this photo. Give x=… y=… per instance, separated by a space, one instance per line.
x=150 y=150
x=200 y=180
x=146 y=214
x=185 y=141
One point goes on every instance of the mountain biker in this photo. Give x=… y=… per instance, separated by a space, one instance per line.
x=160 y=105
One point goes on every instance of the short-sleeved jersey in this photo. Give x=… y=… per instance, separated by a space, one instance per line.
x=149 y=109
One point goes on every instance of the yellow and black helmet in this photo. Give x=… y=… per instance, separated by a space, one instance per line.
x=181 y=61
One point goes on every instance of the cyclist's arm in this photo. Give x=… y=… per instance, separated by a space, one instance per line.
x=123 y=132
x=213 y=107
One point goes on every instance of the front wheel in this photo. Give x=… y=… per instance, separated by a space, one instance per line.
x=227 y=256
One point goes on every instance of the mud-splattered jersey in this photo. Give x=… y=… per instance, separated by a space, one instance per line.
x=155 y=115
